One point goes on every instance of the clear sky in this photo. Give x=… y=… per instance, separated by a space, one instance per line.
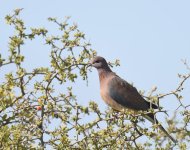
x=149 y=37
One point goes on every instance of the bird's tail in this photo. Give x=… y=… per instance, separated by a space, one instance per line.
x=151 y=118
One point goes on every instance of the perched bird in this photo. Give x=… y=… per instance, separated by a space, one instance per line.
x=120 y=95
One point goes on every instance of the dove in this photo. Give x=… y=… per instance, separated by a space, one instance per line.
x=120 y=95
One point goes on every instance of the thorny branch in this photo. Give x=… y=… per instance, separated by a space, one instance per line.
x=74 y=126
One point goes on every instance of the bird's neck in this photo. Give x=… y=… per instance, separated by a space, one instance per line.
x=103 y=73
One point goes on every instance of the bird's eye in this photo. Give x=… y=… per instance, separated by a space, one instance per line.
x=97 y=61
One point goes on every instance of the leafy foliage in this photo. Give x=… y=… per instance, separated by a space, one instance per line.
x=30 y=105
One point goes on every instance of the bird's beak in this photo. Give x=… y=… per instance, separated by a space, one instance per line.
x=89 y=65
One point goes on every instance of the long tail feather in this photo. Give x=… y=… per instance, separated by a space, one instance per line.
x=151 y=118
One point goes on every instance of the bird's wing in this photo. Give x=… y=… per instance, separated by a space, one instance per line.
x=126 y=95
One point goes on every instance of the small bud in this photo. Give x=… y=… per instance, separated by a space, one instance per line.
x=39 y=108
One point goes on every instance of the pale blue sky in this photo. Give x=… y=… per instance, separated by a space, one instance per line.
x=149 y=37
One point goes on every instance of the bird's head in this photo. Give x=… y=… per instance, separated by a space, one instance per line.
x=99 y=63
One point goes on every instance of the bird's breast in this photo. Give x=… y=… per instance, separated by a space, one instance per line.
x=105 y=94
x=112 y=103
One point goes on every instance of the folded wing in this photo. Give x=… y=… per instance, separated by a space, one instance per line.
x=126 y=95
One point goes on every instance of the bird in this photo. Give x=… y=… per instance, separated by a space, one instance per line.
x=120 y=95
